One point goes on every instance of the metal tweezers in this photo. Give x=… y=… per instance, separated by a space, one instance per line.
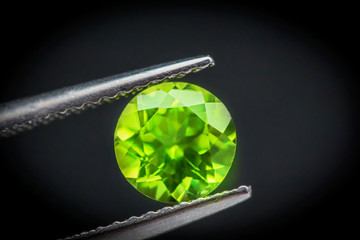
x=24 y=114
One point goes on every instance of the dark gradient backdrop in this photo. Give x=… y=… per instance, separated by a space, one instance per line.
x=286 y=73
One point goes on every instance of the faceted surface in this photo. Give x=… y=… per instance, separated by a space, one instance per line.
x=175 y=142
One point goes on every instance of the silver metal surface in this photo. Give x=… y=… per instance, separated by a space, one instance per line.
x=154 y=223
x=24 y=114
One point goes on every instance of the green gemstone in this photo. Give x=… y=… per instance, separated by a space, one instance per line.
x=175 y=142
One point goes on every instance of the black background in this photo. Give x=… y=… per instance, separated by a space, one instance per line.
x=285 y=72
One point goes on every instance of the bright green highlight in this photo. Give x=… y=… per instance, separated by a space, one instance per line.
x=175 y=142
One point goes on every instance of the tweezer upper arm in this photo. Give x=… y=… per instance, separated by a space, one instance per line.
x=24 y=114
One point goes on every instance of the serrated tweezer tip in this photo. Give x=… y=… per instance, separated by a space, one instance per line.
x=166 y=219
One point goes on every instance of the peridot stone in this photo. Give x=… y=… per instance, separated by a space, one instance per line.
x=175 y=142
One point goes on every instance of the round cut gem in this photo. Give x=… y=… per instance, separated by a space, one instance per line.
x=175 y=142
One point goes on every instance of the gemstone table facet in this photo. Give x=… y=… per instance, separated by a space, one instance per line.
x=175 y=142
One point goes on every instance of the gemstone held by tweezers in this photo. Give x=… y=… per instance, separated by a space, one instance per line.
x=175 y=142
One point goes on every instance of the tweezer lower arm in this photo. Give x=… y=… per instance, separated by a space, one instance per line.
x=169 y=218
x=24 y=114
